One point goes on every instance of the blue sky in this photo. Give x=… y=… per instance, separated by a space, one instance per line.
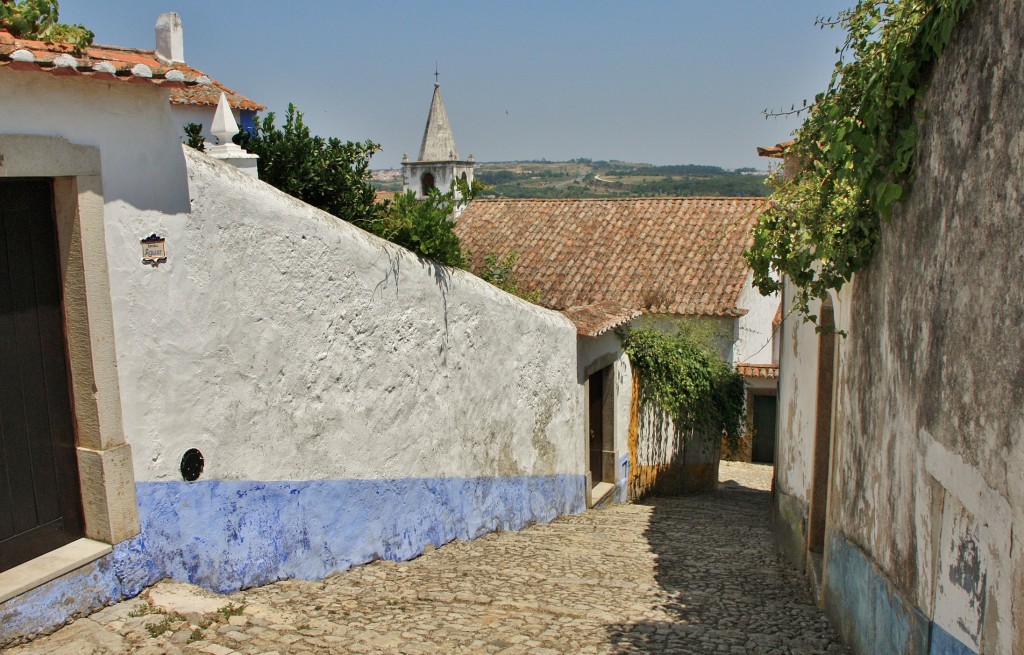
x=665 y=82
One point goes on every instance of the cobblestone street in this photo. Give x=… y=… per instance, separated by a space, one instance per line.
x=681 y=575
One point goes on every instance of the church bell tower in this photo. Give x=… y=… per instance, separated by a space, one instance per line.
x=438 y=164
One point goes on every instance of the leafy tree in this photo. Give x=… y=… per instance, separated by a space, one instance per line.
x=37 y=19
x=426 y=226
x=423 y=226
x=327 y=173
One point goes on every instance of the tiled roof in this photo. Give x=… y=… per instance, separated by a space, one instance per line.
x=776 y=151
x=188 y=86
x=659 y=255
x=209 y=94
x=758 y=371
x=595 y=320
x=380 y=196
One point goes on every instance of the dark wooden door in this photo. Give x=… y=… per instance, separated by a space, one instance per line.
x=40 y=504
x=763 y=448
x=596 y=409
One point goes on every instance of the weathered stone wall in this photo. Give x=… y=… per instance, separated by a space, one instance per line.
x=926 y=504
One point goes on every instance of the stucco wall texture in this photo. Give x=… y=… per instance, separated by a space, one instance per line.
x=926 y=501
x=290 y=347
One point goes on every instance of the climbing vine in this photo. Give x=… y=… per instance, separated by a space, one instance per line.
x=683 y=374
x=853 y=155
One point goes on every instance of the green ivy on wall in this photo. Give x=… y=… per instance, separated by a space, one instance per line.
x=853 y=155
x=683 y=374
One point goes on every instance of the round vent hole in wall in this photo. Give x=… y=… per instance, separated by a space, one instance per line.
x=191 y=465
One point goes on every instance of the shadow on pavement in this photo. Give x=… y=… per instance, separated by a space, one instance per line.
x=724 y=590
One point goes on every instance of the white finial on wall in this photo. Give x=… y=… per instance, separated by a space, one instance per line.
x=225 y=128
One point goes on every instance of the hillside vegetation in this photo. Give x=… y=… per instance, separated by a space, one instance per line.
x=584 y=178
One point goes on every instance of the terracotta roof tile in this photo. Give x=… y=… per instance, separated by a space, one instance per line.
x=758 y=371
x=777 y=151
x=188 y=86
x=657 y=255
x=594 y=320
x=380 y=196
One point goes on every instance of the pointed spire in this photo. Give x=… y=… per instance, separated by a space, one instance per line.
x=224 y=126
x=438 y=140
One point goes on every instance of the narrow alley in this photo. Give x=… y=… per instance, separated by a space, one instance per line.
x=695 y=574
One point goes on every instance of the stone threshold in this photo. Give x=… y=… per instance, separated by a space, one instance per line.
x=37 y=572
x=600 y=491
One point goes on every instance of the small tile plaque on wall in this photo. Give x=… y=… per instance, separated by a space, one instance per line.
x=154 y=250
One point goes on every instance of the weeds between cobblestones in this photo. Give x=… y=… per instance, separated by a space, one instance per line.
x=676 y=575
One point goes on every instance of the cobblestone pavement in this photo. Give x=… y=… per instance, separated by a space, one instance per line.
x=678 y=575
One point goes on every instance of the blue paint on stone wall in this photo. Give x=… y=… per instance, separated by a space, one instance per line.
x=943 y=643
x=82 y=591
x=228 y=535
x=869 y=613
x=621 y=487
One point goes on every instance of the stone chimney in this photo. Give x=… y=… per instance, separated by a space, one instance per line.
x=170 y=38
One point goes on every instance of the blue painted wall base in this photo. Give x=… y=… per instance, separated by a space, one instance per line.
x=49 y=606
x=943 y=643
x=230 y=535
x=871 y=615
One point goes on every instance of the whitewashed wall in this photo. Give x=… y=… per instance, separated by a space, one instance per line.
x=351 y=400
x=330 y=352
x=365 y=402
x=798 y=374
x=797 y=415
x=754 y=339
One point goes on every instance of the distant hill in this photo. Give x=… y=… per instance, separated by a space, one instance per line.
x=585 y=178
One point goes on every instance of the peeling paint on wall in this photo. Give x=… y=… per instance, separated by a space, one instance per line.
x=869 y=612
x=926 y=499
